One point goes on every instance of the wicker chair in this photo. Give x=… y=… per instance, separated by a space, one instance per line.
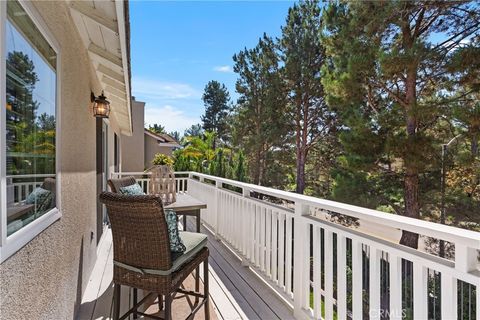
x=116 y=184
x=142 y=256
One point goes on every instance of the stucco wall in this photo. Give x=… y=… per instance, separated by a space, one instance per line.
x=133 y=147
x=45 y=279
x=152 y=148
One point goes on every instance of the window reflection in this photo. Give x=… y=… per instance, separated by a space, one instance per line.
x=30 y=120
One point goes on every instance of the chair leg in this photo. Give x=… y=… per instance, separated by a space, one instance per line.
x=197 y=284
x=116 y=301
x=135 y=300
x=160 y=302
x=206 y=290
x=168 y=306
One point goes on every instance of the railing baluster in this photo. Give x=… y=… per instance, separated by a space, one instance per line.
x=274 y=245
x=281 y=250
x=304 y=279
x=246 y=227
x=374 y=286
x=477 y=302
x=288 y=255
x=317 y=273
x=328 y=274
x=420 y=291
x=301 y=292
x=235 y=222
x=252 y=230
x=216 y=210
x=262 y=238
x=449 y=296
x=395 y=265
x=268 y=221
x=341 y=277
x=357 y=279
x=228 y=217
x=236 y=219
x=257 y=235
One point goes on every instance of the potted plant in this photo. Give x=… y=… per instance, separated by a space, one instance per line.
x=161 y=159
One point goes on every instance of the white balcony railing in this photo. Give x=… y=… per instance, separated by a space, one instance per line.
x=328 y=270
x=144 y=181
x=20 y=186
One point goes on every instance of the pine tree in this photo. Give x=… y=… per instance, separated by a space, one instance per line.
x=303 y=55
x=387 y=75
x=157 y=128
x=194 y=130
x=239 y=168
x=216 y=100
x=260 y=111
x=176 y=135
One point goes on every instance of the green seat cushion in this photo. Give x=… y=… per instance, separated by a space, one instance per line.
x=194 y=242
x=132 y=190
x=176 y=243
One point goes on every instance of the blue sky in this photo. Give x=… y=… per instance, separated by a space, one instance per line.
x=177 y=47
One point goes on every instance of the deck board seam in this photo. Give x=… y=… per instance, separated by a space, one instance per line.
x=248 y=285
x=255 y=273
x=241 y=277
x=190 y=224
x=110 y=247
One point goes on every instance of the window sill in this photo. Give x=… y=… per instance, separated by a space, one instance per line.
x=23 y=236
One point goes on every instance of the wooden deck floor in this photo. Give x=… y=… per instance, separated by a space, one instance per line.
x=236 y=291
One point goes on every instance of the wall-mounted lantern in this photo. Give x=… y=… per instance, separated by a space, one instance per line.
x=101 y=106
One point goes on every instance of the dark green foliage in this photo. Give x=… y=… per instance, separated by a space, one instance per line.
x=157 y=128
x=352 y=103
x=216 y=101
x=30 y=138
x=260 y=114
x=194 y=130
x=303 y=55
x=392 y=82
x=176 y=135
x=240 y=170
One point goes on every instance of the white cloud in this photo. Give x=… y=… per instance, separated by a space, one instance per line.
x=227 y=69
x=172 y=118
x=154 y=89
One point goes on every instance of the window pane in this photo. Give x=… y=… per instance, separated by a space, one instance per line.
x=30 y=120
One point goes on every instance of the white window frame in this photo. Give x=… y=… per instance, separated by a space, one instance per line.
x=11 y=244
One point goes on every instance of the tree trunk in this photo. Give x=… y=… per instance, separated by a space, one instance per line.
x=411 y=185
x=474 y=147
x=300 y=151
x=256 y=170
x=300 y=170
x=412 y=208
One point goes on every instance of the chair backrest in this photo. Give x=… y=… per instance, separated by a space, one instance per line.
x=139 y=230
x=162 y=183
x=49 y=184
x=116 y=184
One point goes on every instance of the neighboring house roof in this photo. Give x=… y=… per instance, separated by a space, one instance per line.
x=104 y=27
x=163 y=139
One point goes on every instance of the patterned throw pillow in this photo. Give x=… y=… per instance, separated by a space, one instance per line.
x=41 y=198
x=176 y=243
x=132 y=190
